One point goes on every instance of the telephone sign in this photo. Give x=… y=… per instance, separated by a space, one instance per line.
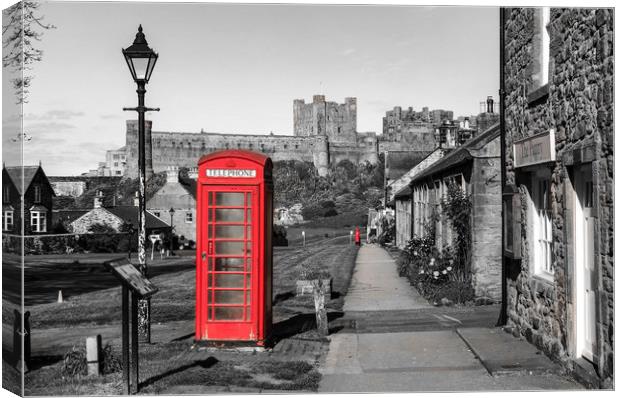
x=234 y=255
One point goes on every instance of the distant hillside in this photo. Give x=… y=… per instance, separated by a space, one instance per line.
x=346 y=193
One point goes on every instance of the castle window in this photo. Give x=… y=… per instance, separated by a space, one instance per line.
x=250 y=145
x=189 y=218
x=296 y=146
x=172 y=144
x=285 y=146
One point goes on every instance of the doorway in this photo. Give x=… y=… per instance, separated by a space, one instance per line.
x=585 y=272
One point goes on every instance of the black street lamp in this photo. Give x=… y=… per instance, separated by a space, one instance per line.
x=141 y=60
x=171 y=211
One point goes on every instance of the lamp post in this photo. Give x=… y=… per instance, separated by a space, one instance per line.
x=141 y=60
x=171 y=211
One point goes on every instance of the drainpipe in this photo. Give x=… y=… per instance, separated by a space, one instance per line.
x=503 y=316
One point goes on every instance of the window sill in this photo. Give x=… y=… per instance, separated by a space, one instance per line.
x=538 y=96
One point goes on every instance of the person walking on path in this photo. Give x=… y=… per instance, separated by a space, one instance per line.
x=358 y=238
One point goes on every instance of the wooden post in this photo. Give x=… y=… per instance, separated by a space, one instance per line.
x=319 y=306
x=125 y=339
x=27 y=339
x=17 y=337
x=134 y=344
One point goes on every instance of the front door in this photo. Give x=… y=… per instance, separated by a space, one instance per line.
x=584 y=263
x=231 y=262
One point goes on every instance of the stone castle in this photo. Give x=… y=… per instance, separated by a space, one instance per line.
x=324 y=133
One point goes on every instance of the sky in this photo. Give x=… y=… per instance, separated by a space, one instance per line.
x=233 y=68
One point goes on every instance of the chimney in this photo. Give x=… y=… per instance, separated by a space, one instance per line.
x=483 y=106
x=172 y=174
x=466 y=123
x=136 y=199
x=489 y=104
x=193 y=173
x=98 y=200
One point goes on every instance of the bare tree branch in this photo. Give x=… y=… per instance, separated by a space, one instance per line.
x=23 y=28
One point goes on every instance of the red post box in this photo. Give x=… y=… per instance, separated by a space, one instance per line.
x=233 y=247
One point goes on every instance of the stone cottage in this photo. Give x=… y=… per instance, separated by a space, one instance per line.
x=558 y=71
x=474 y=167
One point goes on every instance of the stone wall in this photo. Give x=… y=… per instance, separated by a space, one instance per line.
x=486 y=254
x=578 y=105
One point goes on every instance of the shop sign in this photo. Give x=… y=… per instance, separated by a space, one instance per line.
x=534 y=150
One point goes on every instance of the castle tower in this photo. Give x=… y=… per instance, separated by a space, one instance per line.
x=320 y=154
x=131 y=147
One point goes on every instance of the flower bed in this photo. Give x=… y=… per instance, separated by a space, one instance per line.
x=435 y=274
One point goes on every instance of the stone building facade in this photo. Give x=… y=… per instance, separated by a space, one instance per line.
x=325 y=133
x=558 y=194
x=408 y=129
x=179 y=196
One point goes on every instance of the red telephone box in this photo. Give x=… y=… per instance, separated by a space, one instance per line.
x=233 y=247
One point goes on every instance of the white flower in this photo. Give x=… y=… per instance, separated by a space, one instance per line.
x=436 y=273
x=421 y=271
x=432 y=260
x=415 y=253
x=451 y=261
x=444 y=272
x=434 y=277
x=449 y=268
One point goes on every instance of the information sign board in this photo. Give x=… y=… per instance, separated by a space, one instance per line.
x=131 y=277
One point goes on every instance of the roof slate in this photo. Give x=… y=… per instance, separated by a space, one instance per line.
x=15 y=173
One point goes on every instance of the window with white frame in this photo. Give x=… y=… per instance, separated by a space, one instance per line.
x=38 y=221
x=189 y=217
x=542 y=228
x=7 y=220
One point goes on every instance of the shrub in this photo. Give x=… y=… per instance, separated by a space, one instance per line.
x=74 y=362
x=388 y=231
x=331 y=213
x=111 y=361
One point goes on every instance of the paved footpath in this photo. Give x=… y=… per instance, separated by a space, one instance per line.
x=449 y=356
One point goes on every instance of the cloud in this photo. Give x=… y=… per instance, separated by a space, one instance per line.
x=349 y=51
x=47 y=127
x=56 y=114
x=111 y=116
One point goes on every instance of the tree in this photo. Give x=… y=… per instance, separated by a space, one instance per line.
x=23 y=29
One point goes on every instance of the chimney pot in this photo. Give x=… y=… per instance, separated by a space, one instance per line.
x=172 y=174
x=98 y=202
x=489 y=104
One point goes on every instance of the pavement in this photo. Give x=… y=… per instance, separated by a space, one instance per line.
x=391 y=340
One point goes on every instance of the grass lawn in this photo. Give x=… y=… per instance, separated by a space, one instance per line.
x=174 y=363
